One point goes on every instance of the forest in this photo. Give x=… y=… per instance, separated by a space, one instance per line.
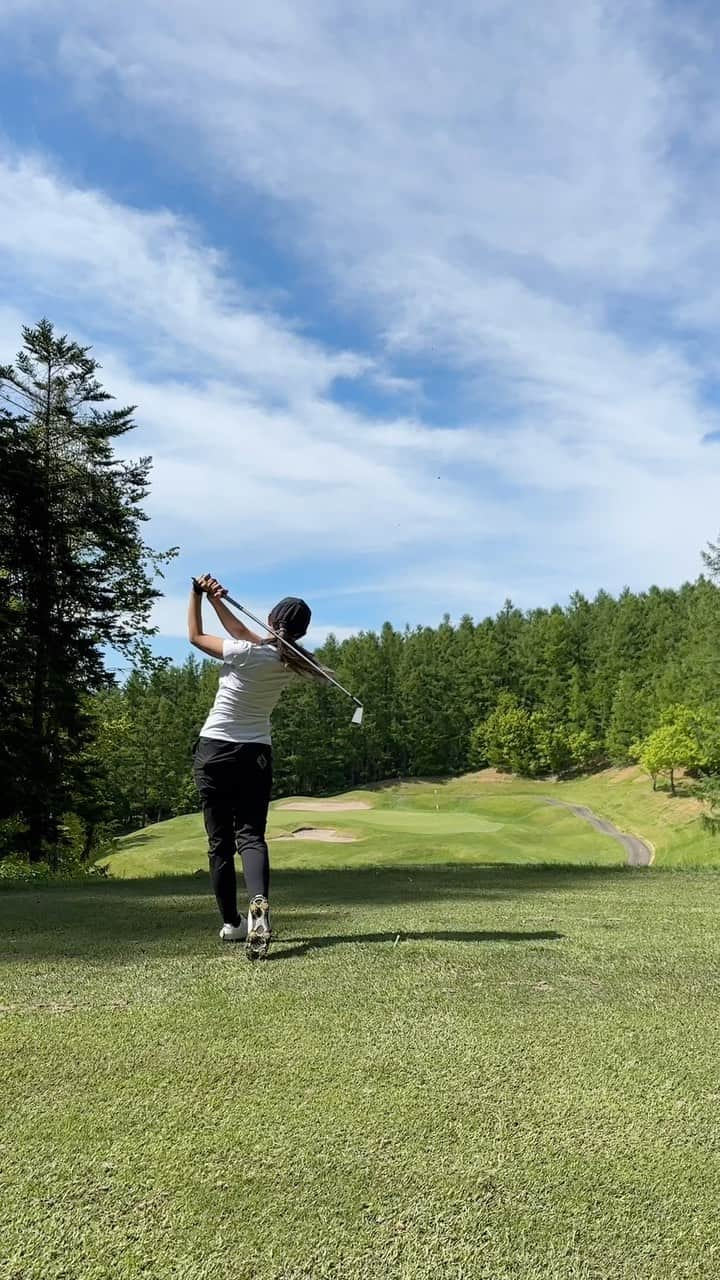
x=544 y=692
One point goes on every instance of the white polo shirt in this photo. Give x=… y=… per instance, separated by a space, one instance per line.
x=251 y=681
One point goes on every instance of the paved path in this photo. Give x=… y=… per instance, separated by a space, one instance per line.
x=639 y=852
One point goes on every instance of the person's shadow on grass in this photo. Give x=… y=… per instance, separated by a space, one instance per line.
x=301 y=947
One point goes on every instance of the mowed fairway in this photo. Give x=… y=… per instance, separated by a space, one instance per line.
x=480 y=1048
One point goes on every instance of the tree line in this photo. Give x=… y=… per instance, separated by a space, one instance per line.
x=82 y=756
x=549 y=691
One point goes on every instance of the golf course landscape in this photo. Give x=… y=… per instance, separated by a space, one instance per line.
x=481 y=1046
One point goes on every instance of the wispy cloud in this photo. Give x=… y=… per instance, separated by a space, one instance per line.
x=250 y=448
x=151 y=269
x=513 y=207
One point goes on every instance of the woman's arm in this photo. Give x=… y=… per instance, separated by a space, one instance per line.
x=211 y=645
x=231 y=623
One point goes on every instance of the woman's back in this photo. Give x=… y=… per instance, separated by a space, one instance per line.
x=252 y=679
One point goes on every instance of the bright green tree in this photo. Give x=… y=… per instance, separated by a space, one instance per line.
x=586 y=752
x=550 y=747
x=507 y=737
x=675 y=744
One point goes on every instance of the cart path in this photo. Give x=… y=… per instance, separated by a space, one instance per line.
x=639 y=852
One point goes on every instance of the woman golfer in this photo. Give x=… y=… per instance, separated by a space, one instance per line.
x=233 y=756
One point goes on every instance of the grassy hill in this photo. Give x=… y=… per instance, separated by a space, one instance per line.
x=480 y=1047
x=484 y=817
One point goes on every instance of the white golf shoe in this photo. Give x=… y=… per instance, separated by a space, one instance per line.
x=259 y=933
x=234 y=932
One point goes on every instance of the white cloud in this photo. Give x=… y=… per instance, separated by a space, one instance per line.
x=249 y=463
x=531 y=130
x=504 y=193
x=151 y=269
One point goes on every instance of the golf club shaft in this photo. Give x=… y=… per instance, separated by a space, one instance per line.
x=299 y=652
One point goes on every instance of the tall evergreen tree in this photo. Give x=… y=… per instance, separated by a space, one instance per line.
x=627 y=721
x=76 y=570
x=19 y=488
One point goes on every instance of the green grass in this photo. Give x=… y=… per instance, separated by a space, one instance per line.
x=474 y=1051
x=403 y=822
x=672 y=823
x=456 y=819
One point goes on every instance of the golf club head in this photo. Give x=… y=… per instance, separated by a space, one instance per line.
x=357 y=716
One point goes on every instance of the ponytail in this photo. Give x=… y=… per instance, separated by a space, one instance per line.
x=291 y=659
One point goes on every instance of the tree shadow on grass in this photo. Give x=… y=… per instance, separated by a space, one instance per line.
x=134 y=841
x=302 y=946
x=117 y=921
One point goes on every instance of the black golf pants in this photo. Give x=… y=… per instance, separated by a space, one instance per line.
x=235 y=780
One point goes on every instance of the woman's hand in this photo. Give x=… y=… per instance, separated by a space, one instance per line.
x=211 y=587
x=215 y=592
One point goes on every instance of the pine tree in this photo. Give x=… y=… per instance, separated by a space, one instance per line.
x=77 y=569
x=19 y=489
x=627 y=720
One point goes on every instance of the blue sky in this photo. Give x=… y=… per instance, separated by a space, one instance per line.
x=418 y=304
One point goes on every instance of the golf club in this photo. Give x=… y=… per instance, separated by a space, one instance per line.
x=357 y=717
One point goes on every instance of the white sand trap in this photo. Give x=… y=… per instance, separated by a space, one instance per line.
x=326 y=806
x=319 y=833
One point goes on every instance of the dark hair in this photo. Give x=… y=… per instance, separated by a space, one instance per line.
x=292 y=615
x=290 y=619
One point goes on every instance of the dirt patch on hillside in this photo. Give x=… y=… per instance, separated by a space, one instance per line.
x=327 y=834
x=387 y=784
x=489 y=775
x=630 y=773
x=326 y=806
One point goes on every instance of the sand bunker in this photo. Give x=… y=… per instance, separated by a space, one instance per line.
x=318 y=833
x=326 y=806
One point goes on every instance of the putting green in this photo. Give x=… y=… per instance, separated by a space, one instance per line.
x=424 y=823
